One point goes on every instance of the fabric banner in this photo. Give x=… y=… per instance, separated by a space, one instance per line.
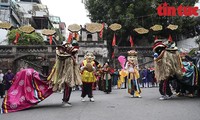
x=50 y=39
x=101 y=32
x=170 y=38
x=131 y=41
x=16 y=38
x=114 y=40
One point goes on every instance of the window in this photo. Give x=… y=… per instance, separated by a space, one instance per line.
x=55 y=19
x=89 y=37
x=3 y=1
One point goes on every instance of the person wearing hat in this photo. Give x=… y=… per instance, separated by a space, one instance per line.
x=133 y=74
x=88 y=68
x=65 y=73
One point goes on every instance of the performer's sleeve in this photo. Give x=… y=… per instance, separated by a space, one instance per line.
x=126 y=66
x=137 y=75
x=57 y=51
x=94 y=66
x=137 y=66
x=82 y=66
x=190 y=59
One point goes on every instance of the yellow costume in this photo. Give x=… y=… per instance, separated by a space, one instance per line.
x=121 y=80
x=86 y=75
x=133 y=74
x=88 y=68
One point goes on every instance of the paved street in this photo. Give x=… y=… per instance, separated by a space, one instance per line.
x=115 y=106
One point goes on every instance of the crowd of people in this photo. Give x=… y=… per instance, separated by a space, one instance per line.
x=146 y=80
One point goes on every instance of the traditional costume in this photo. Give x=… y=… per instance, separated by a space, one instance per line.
x=28 y=89
x=65 y=73
x=121 y=81
x=133 y=74
x=88 y=76
x=189 y=80
x=99 y=76
x=167 y=64
x=115 y=77
x=107 y=78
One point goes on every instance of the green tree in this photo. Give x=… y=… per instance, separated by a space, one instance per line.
x=24 y=38
x=138 y=13
x=59 y=34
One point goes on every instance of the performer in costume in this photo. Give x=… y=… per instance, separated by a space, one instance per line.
x=28 y=89
x=115 y=77
x=65 y=73
x=95 y=84
x=101 y=79
x=133 y=74
x=121 y=81
x=107 y=78
x=88 y=76
x=190 y=78
x=167 y=64
x=99 y=76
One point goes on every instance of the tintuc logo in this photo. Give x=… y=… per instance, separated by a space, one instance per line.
x=165 y=10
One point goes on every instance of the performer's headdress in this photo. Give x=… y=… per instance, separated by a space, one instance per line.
x=132 y=53
x=158 y=43
x=70 y=48
x=85 y=56
x=64 y=43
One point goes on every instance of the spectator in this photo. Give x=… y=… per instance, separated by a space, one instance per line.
x=149 y=77
x=144 y=77
x=115 y=76
x=8 y=79
x=1 y=84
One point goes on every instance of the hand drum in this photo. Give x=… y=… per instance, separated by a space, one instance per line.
x=89 y=67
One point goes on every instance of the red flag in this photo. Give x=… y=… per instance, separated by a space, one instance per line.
x=131 y=41
x=16 y=38
x=50 y=39
x=114 y=40
x=113 y=55
x=76 y=36
x=101 y=32
x=155 y=38
x=170 y=38
x=70 y=38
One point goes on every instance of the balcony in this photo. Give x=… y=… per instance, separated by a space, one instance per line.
x=92 y=43
x=40 y=10
x=36 y=1
x=4 y=3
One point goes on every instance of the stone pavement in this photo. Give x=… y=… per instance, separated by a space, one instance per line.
x=114 y=106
